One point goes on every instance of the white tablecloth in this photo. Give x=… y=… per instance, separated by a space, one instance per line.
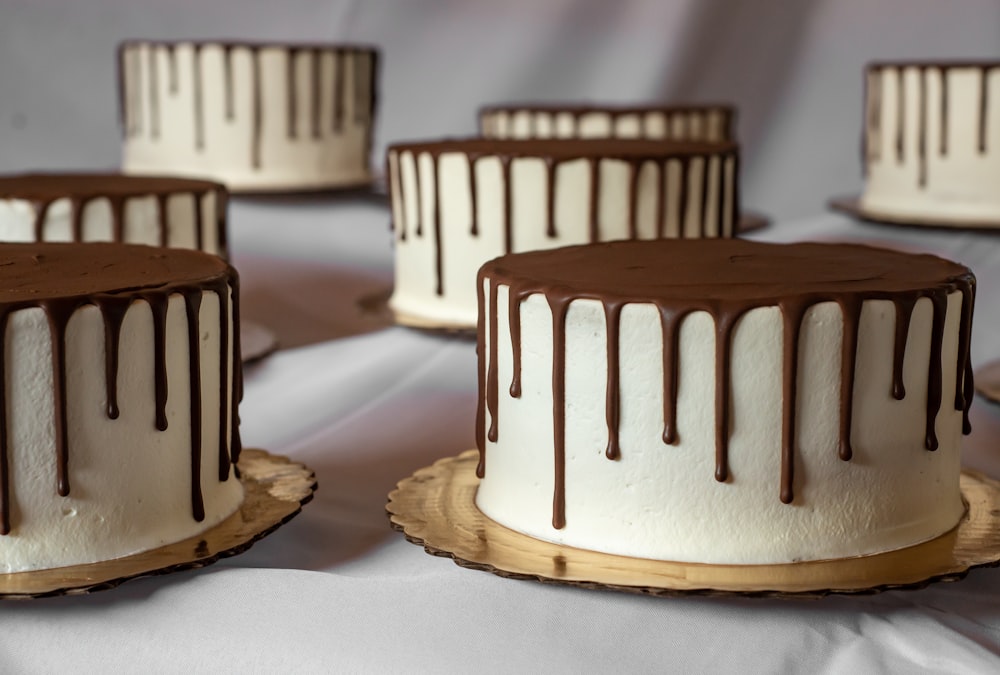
x=364 y=404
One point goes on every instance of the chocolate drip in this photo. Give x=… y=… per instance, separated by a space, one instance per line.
x=171 y=67
x=41 y=211
x=158 y=309
x=875 y=119
x=77 y=206
x=850 y=309
x=482 y=377
x=317 y=88
x=291 y=93
x=724 y=322
x=508 y=207
x=670 y=322
x=235 y=446
x=419 y=194
x=338 y=91
x=943 y=131
x=904 y=310
x=550 y=202
x=564 y=275
x=492 y=378
x=661 y=198
x=227 y=82
x=900 y=113
x=684 y=184
x=633 y=200
x=612 y=317
x=922 y=128
x=199 y=225
x=360 y=112
x=199 y=106
x=984 y=94
x=595 y=199
x=256 y=109
x=559 y=306
x=792 y=313
x=58 y=313
x=703 y=208
x=162 y=220
x=473 y=206
x=154 y=94
x=113 y=312
x=192 y=307
x=438 y=263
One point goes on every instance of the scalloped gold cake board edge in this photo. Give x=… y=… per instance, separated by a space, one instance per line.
x=435 y=508
x=275 y=489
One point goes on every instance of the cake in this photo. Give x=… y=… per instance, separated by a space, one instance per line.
x=932 y=142
x=118 y=428
x=258 y=117
x=724 y=402
x=679 y=123
x=458 y=203
x=159 y=211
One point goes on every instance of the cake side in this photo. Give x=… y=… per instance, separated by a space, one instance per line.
x=755 y=418
x=157 y=211
x=119 y=428
x=928 y=145
x=255 y=116
x=458 y=203
x=673 y=122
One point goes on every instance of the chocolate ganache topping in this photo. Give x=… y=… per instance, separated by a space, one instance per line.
x=683 y=116
x=725 y=278
x=42 y=189
x=60 y=278
x=871 y=148
x=364 y=90
x=689 y=157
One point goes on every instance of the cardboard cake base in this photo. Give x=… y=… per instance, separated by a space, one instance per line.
x=275 y=489
x=435 y=508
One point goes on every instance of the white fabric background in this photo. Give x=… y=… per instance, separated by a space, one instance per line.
x=365 y=405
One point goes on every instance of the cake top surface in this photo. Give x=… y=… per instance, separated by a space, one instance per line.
x=616 y=108
x=50 y=186
x=32 y=273
x=568 y=148
x=253 y=44
x=722 y=270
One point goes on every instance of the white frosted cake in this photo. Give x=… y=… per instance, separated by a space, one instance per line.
x=118 y=429
x=724 y=402
x=932 y=142
x=458 y=203
x=158 y=211
x=659 y=122
x=259 y=117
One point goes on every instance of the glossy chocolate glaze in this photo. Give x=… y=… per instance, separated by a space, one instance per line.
x=685 y=115
x=42 y=189
x=725 y=278
x=873 y=108
x=688 y=156
x=62 y=278
x=363 y=60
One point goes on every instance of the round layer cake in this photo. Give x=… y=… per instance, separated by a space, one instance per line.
x=932 y=142
x=159 y=211
x=255 y=116
x=118 y=429
x=458 y=203
x=724 y=401
x=659 y=122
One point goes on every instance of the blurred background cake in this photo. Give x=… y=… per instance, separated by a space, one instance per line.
x=259 y=117
x=684 y=123
x=458 y=203
x=154 y=210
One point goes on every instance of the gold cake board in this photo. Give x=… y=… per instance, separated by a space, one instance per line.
x=275 y=488
x=852 y=207
x=435 y=508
